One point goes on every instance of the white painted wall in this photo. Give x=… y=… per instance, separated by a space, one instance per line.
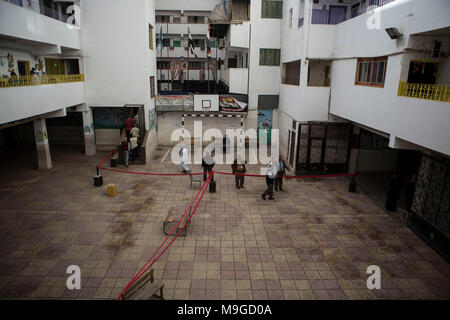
x=292 y=36
x=237 y=80
x=23 y=102
x=239 y=35
x=321 y=41
x=118 y=61
x=22 y=23
x=265 y=34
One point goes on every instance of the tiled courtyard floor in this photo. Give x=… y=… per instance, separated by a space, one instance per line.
x=315 y=241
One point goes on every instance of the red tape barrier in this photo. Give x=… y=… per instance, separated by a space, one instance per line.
x=141 y=271
x=219 y=172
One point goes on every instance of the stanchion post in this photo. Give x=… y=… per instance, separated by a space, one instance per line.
x=98 y=179
x=352 y=186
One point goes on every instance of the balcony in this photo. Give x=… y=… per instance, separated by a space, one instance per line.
x=24 y=97
x=36 y=80
x=424 y=91
x=34 y=5
x=338 y=15
x=27 y=23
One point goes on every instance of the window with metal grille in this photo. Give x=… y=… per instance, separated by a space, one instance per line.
x=162 y=19
x=269 y=57
x=199 y=43
x=150 y=36
x=152 y=87
x=163 y=64
x=196 y=19
x=272 y=9
x=196 y=65
x=371 y=71
x=166 y=42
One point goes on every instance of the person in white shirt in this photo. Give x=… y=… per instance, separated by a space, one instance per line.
x=184 y=159
x=270 y=180
x=134 y=148
x=135 y=132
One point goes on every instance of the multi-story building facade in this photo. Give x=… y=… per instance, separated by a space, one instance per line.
x=365 y=89
x=69 y=77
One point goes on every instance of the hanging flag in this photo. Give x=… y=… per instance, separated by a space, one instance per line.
x=202 y=75
x=160 y=42
x=191 y=42
x=208 y=45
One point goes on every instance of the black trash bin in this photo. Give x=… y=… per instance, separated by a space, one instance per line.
x=98 y=181
x=114 y=162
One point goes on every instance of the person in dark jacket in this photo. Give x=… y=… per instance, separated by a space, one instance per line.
x=208 y=164
x=280 y=174
x=239 y=168
x=409 y=191
x=393 y=193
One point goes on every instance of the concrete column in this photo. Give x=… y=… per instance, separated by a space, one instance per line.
x=89 y=136
x=42 y=147
x=304 y=63
x=354 y=151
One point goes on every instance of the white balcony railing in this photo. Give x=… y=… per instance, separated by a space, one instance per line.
x=35 y=6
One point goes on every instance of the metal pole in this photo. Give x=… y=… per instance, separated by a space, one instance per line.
x=189 y=48
x=207 y=61
x=168 y=70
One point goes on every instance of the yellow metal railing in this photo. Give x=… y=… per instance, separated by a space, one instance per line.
x=424 y=91
x=20 y=81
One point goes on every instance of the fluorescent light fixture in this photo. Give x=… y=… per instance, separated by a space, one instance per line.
x=393 y=33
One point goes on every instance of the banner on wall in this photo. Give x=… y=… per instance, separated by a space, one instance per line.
x=230 y=104
x=264 y=126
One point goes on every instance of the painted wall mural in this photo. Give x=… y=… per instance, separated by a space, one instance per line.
x=109 y=117
x=11 y=67
x=41 y=136
x=152 y=119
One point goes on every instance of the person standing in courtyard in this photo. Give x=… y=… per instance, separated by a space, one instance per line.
x=184 y=159
x=393 y=193
x=125 y=146
x=134 y=148
x=270 y=180
x=207 y=164
x=238 y=167
x=280 y=174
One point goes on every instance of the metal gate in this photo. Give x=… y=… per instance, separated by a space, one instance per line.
x=323 y=147
x=430 y=211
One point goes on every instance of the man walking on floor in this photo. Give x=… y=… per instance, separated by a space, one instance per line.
x=208 y=164
x=280 y=174
x=239 y=168
x=270 y=179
